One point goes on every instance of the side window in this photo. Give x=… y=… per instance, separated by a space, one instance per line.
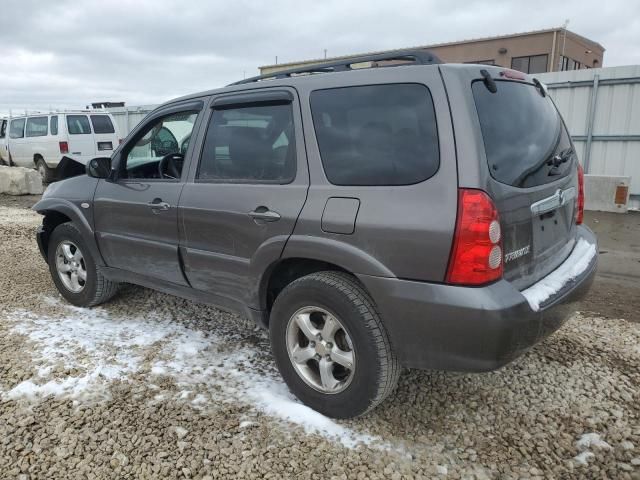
x=159 y=151
x=376 y=135
x=37 y=126
x=102 y=124
x=54 y=125
x=3 y=128
x=78 y=125
x=16 y=130
x=252 y=144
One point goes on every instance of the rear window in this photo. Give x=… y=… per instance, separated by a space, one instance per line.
x=376 y=134
x=522 y=132
x=102 y=124
x=78 y=125
x=3 y=128
x=37 y=126
x=54 y=125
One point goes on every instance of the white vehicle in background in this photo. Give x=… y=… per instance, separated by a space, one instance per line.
x=41 y=140
x=4 y=147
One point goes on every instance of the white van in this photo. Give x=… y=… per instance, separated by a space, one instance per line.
x=4 y=146
x=42 y=140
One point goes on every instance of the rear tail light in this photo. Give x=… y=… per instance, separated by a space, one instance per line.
x=580 y=204
x=64 y=147
x=476 y=256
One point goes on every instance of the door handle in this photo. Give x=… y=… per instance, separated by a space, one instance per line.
x=159 y=205
x=264 y=214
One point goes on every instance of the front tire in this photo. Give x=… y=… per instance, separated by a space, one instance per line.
x=331 y=346
x=74 y=271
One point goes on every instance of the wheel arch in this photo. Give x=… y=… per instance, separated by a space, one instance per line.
x=56 y=212
x=287 y=270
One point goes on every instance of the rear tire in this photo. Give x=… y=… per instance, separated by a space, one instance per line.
x=363 y=339
x=73 y=270
x=47 y=174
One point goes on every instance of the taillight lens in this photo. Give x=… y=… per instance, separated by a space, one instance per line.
x=64 y=147
x=476 y=257
x=580 y=204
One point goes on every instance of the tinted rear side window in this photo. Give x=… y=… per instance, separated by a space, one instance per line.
x=3 y=128
x=54 y=125
x=78 y=125
x=37 y=126
x=102 y=124
x=376 y=134
x=522 y=133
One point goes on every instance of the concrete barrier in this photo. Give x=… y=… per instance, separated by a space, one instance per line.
x=606 y=193
x=20 y=181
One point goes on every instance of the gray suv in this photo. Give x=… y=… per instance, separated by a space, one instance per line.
x=415 y=214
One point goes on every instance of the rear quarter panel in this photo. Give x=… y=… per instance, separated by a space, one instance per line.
x=402 y=231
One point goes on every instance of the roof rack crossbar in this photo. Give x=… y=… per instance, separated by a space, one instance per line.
x=417 y=57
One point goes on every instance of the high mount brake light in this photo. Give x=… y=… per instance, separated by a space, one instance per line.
x=476 y=256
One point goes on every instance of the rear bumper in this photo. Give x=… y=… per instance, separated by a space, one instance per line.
x=445 y=327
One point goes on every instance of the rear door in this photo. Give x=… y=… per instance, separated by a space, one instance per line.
x=533 y=176
x=245 y=195
x=81 y=142
x=104 y=135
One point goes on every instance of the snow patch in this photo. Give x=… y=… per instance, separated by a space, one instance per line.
x=589 y=440
x=573 y=266
x=583 y=458
x=78 y=355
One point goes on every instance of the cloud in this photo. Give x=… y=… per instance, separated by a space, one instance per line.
x=68 y=53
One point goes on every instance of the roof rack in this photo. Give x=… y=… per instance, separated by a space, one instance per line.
x=417 y=57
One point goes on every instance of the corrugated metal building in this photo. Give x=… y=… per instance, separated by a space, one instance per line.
x=602 y=110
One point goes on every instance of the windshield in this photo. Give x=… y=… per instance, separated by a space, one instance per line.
x=525 y=140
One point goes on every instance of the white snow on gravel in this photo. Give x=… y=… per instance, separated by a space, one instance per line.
x=583 y=458
x=572 y=267
x=80 y=353
x=589 y=440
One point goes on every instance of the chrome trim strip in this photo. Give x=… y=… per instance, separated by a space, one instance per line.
x=555 y=201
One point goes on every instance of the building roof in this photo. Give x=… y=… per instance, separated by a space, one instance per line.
x=445 y=44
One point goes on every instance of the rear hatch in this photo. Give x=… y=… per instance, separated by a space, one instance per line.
x=533 y=168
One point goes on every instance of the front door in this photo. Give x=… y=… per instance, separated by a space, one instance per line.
x=136 y=215
x=243 y=199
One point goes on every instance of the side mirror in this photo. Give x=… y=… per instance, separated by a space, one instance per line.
x=99 y=167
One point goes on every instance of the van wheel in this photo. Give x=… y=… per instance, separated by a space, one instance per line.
x=331 y=346
x=73 y=270
x=45 y=172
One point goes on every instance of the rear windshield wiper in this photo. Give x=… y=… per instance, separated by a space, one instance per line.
x=561 y=157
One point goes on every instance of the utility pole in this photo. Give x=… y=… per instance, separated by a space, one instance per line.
x=325 y=53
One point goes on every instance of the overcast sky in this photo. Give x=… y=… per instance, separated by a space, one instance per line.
x=68 y=53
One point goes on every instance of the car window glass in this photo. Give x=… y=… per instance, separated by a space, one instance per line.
x=377 y=134
x=54 y=125
x=37 y=127
x=102 y=124
x=3 y=128
x=166 y=136
x=78 y=125
x=16 y=130
x=252 y=144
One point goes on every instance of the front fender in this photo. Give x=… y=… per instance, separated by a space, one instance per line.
x=55 y=208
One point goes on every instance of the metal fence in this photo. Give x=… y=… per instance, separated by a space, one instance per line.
x=128 y=117
x=602 y=110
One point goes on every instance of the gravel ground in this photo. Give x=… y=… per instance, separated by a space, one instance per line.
x=151 y=386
